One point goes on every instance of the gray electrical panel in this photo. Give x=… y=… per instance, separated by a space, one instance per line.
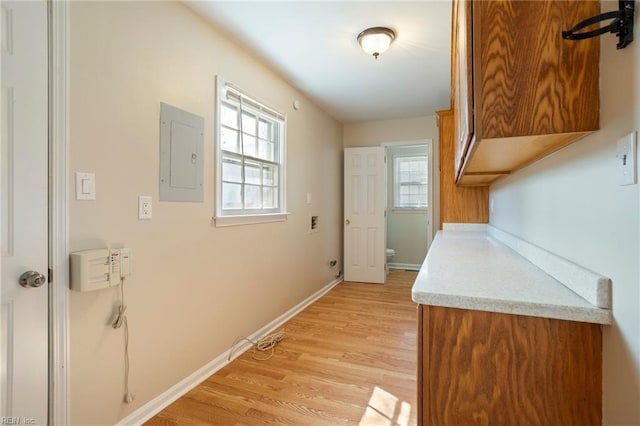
x=181 y=155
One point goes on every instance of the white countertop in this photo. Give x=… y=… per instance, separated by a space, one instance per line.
x=468 y=269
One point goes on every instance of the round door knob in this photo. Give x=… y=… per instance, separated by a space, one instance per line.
x=347 y=221
x=32 y=279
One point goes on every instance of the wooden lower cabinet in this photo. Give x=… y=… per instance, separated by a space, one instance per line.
x=485 y=368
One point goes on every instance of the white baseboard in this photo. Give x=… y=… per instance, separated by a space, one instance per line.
x=153 y=407
x=409 y=266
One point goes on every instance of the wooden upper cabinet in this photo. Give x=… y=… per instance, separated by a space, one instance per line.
x=520 y=91
x=462 y=87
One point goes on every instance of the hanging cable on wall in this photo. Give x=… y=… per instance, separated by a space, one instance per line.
x=118 y=322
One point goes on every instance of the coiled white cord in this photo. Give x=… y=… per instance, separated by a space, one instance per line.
x=263 y=344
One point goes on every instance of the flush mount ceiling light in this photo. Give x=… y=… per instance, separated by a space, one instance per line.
x=376 y=40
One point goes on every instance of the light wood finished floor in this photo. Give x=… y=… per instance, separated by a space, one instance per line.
x=350 y=359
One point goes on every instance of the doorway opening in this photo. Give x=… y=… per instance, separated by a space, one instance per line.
x=409 y=195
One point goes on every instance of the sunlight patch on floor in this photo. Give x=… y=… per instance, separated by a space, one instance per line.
x=385 y=409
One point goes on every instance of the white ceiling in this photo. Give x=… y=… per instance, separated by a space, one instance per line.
x=313 y=45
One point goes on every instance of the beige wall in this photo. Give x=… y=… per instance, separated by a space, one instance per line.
x=194 y=288
x=407 y=231
x=372 y=133
x=407 y=130
x=571 y=204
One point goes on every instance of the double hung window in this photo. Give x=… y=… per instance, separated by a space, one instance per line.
x=410 y=182
x=250 y=159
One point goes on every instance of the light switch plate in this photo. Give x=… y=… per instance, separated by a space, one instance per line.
x=145 y=207
x=85 y=186
x=626 y=155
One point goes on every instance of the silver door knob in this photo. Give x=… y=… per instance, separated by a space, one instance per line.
x=32 y=279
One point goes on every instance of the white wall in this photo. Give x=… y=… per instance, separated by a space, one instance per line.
x=570 y=203
x=195 y=288
x=407 y=231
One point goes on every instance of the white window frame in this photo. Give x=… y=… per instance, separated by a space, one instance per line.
x=397 y=183
x=227 y=92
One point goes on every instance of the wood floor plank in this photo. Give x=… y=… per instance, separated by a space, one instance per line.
x=349 y=358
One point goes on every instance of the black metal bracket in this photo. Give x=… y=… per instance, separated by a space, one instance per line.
x=622 y=25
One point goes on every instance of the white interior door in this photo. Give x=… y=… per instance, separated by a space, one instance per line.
x=24 y=214
x=364 y=215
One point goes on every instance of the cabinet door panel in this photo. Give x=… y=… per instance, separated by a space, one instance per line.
x=500 y=369
x=463 y=78
x=530 y=80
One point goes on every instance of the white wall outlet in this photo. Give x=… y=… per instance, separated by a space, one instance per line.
x=626 y=155
x=145 y=207
x=85 y=186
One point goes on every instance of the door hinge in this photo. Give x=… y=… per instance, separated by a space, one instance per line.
x=50 y=275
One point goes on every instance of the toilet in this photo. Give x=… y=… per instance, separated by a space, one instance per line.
x=390 y=253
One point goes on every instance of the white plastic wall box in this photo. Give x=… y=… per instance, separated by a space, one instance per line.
x=93 y=273
x=181 y=155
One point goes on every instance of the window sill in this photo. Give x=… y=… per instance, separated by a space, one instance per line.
x=223 y=221
x=409 y=211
